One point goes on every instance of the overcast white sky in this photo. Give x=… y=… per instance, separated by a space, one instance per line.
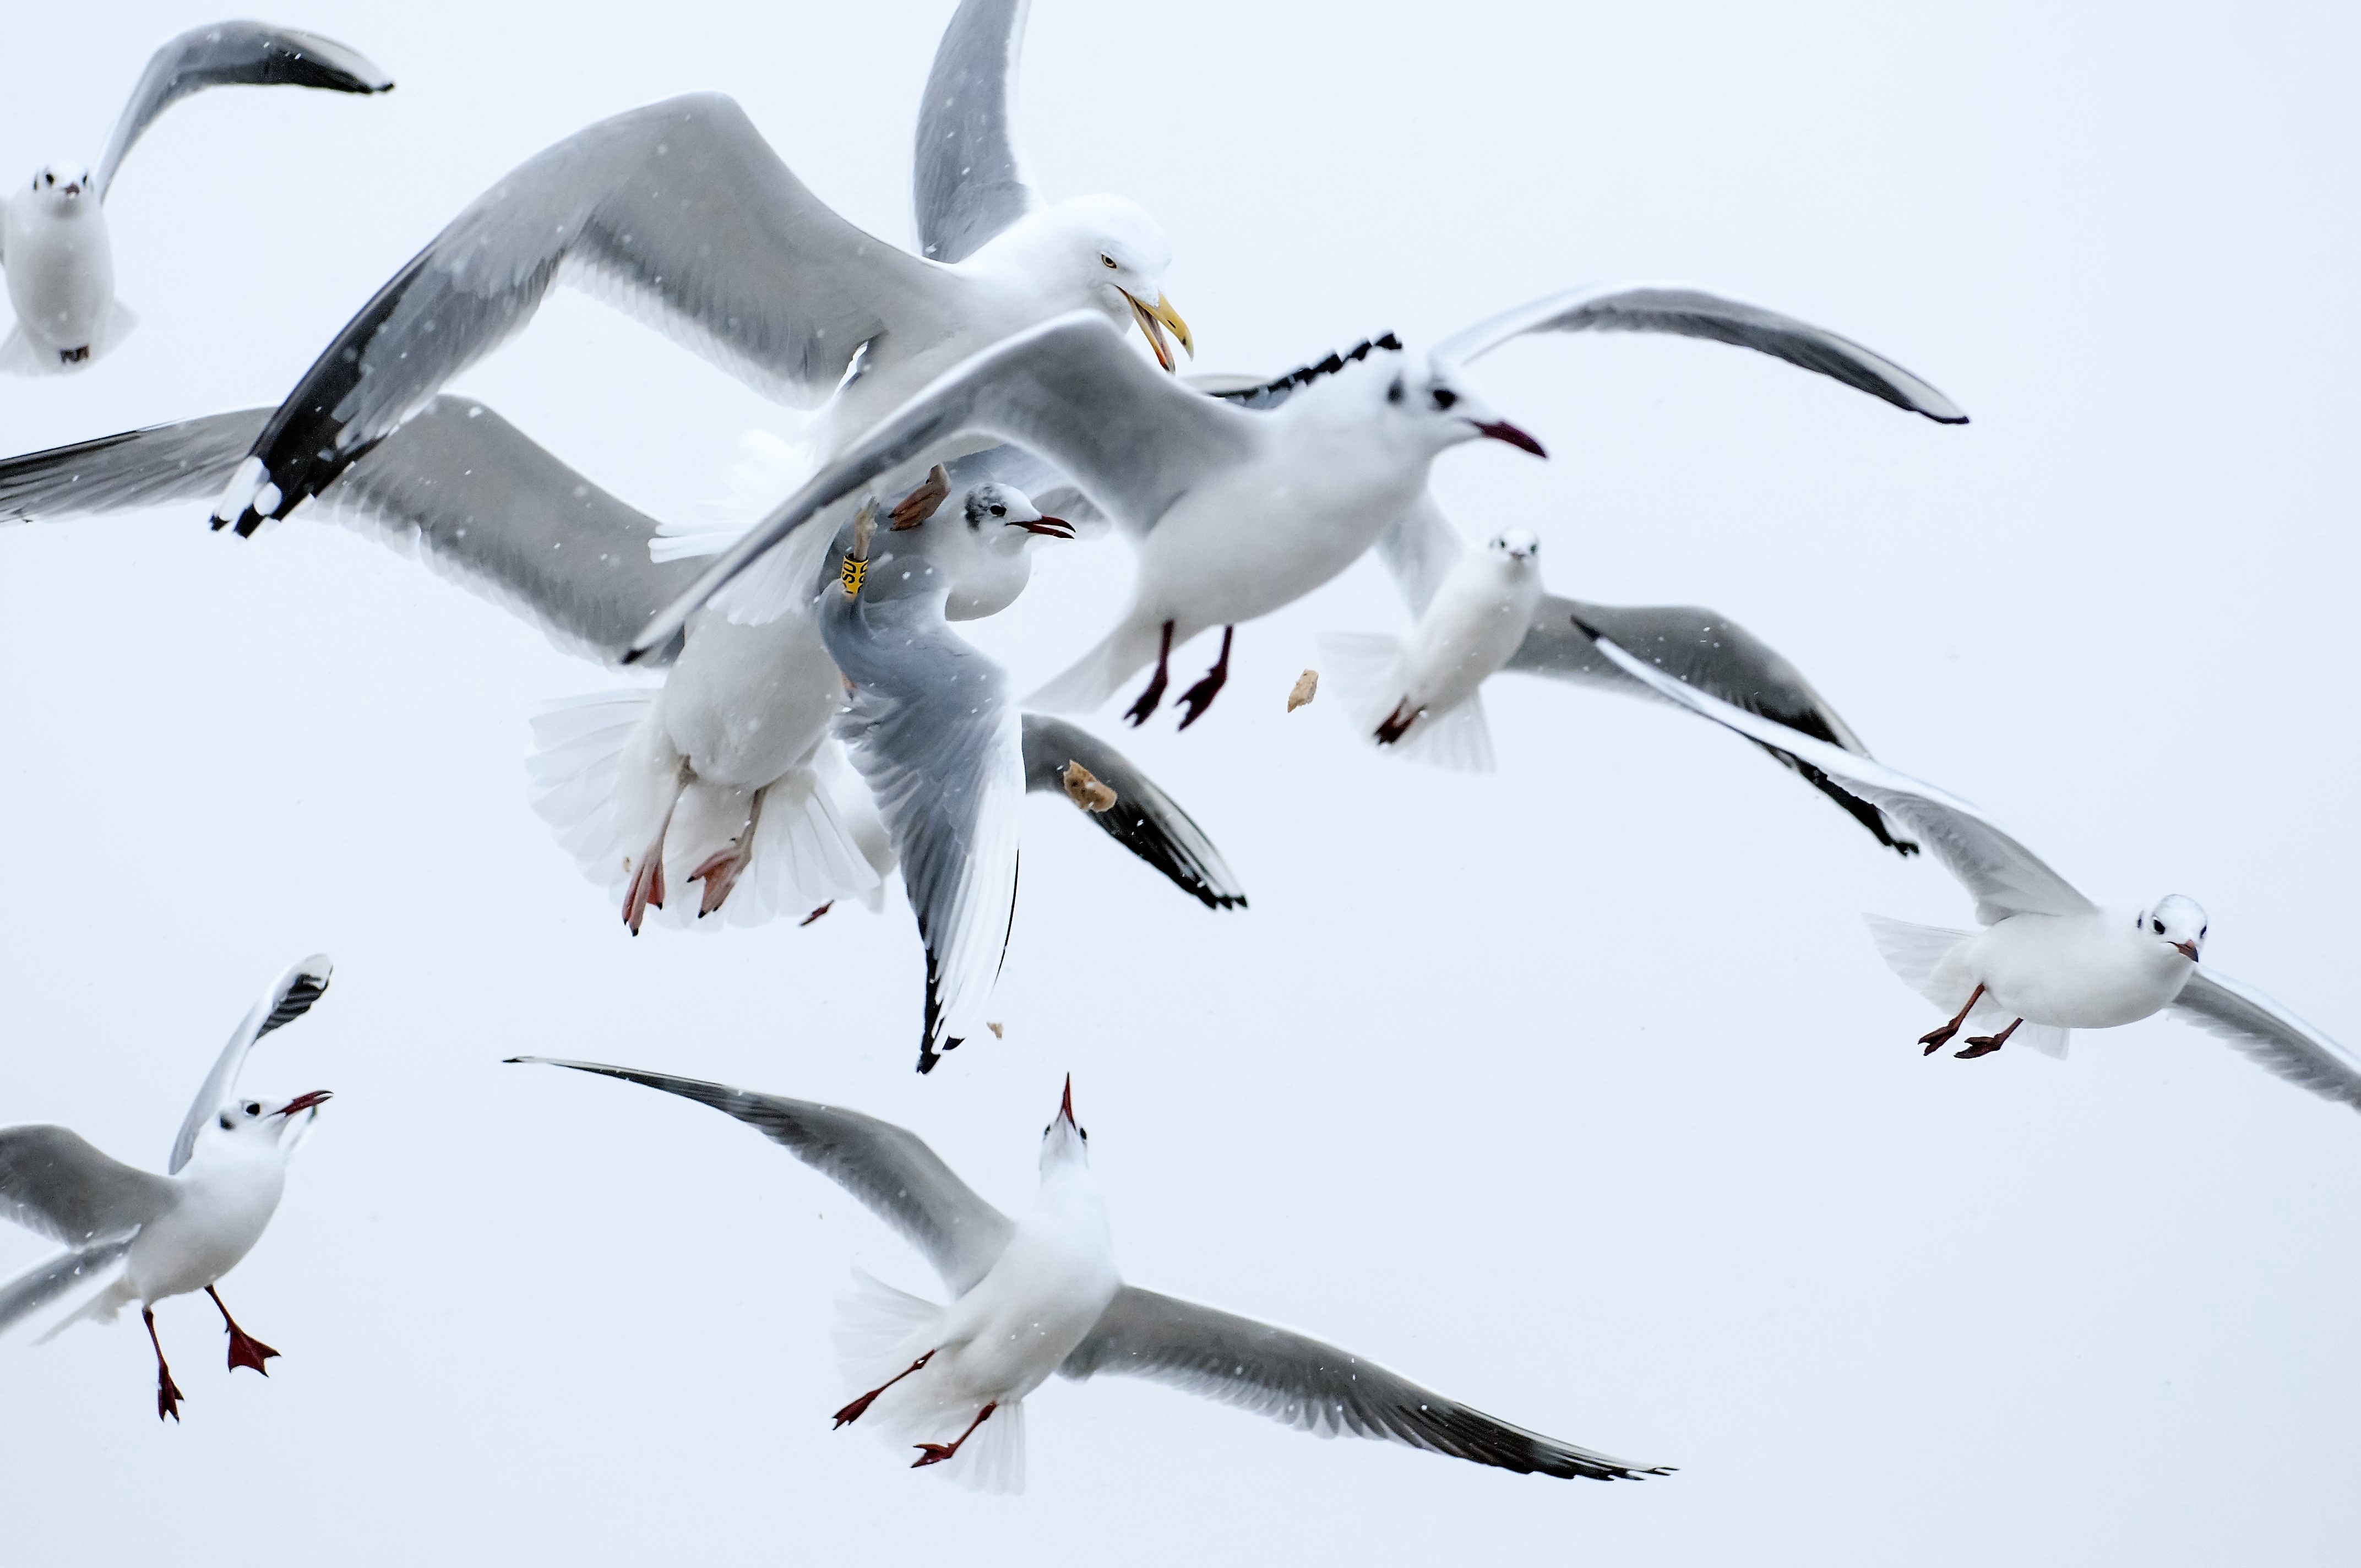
x=1576 y=1091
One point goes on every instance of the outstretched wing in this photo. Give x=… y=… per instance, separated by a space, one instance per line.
x=1712 y=653
x=1314 y=1388
x=932 y=729
x=966 y=183
x=228 y=54
x=2005 y=877
x=45 y=1282
x=1142 y=819
x=681 y=213
x=1067 y=391
x=466 y=492
x=1693 y=313
x=889 y=1168
x=290 y=997
x=2268 y=1032
x=55 y=1183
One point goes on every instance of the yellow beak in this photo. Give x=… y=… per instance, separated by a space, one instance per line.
x=1153 y=320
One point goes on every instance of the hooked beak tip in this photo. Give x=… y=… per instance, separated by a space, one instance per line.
x=1066 y=1103
x=1153 y=320
x=1501 y=430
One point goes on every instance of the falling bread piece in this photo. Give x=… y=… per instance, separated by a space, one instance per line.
x=1306 y=684
x=1084 y=790
x=996 y=1031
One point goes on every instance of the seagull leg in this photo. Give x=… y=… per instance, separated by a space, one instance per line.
x=1985 y=1044
x=76 y=356
x=1936 y=1040
x=720 y=870
x=1398 y=722
x=936 y=1452
x=244 y=1350
x=1199 y=697
x=1138 y=711
x=815 y=914
x=859 y=1407
x=168 y=1393
x=647 y=891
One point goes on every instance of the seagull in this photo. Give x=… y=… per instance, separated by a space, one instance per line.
x=1484 y=611
x=745 y=709
x=683 y=213
x=171 y=1234
x=2048 y=961
x=54 y=239
x=1041 y=1294
x=1236 y=510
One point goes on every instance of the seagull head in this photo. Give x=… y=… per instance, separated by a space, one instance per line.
x=264 y=1120
x=1518 y=547
x=1110 y=253
x=1432 y=408
x=1004 y=517
x=2175 y=920
x=1064 y=1145
x=61 y=185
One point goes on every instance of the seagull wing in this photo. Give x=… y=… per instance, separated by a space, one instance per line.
x=1712 y=653
x=290 y=997
x=45 y=1282
x=55 y=1183
x=932 y=729
x=1693 y=313
x=1067 y=391
x=966 y=181
x=1312 y=1386
x=681 y=214
x=458 y=487
x=1142 y=819
x=889 y=1168
x=2261 y=1028
x=2005 y=877
x=228 y=54
x=1419 y=548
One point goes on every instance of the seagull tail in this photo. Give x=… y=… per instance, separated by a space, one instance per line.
x=1919 y=955
x=1101 y=673
x=878 y=1329
x=1362 y=668
x=581 y=749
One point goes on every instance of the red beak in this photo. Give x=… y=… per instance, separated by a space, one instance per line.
x=1066 y=1105
x=2186 y=949
x=1055 y=527
x=1501 y=430
x=303 y=1103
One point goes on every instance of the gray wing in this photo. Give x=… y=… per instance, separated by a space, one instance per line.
x=931 y=727
x=460 y=488
x=1067 y=391
x=966 y=183
x=1314 y=1388
x=290 y=997
x=1712 y=653
x=1419 y=548
x=897 y=1177
x=228 y=54
x=680 y=212
x=1142 y=819
x=45 y=1282
x=2268 y=1032
x=53 y=1182
x=1693 y=313
x=2005 y=877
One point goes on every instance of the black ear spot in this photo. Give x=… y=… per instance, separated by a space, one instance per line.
x=224 y=1120
x=1394 y=392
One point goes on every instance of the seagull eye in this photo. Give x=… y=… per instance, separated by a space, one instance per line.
x=1000 y=512
x=1107 y=260
x=1444 y=397
x=2159 y=927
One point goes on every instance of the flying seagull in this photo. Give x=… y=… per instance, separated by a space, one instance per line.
x=53 y=238
x=1040 y=1294
x=2048 y=961
x=156 y=1236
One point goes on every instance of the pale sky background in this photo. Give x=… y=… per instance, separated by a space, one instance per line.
x=1576 y=1091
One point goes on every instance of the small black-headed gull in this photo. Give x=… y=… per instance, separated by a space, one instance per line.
x=737 y=738
x=1484 y=611
x=53 y=238
x=1040 y=1294
x=1236 y=511
x=681 y=212
x=164 y=1235
x=2048 y=961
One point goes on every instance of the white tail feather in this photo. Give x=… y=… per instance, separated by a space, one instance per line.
x=1363 y=668
x=879 y=1331
x=1101 y=673
x=1921 y=957
x=101 y=1307
x=1459 y=738
x=576 y=773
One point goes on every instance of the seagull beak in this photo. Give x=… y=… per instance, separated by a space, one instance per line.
x=1066 y=1105
x=2186 y=949
x=1049 y=527
x=304 y=1102
x=1153 y=320
x=1501 y=430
